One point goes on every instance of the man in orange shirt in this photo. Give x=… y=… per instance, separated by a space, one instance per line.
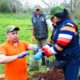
x=13 y=55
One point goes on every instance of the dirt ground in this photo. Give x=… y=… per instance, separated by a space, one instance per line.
x=54 y=74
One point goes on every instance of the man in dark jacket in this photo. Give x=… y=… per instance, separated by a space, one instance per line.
x=40 y=29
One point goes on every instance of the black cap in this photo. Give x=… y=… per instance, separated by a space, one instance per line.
x=63 y=14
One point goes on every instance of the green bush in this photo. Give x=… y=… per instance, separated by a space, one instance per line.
x=54 y=10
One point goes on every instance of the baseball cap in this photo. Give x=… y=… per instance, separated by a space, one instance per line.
x=12 y=28
x=37 y=7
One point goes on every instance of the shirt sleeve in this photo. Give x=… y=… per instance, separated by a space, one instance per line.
x=26 y=45
x=64 y=38
x=3 y=49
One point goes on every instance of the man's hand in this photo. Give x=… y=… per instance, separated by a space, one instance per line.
x=35 y=47
x=33 y=39
x=23 y=54
x=38 y=55
x=47 y=50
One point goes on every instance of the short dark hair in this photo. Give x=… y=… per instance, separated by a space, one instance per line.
x=52 y=17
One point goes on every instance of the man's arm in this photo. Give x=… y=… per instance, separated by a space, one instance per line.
x=33 y=47
x=7 y=59
x=65 y=36
x=33 y=38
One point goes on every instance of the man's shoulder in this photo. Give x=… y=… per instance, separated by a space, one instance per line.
x=43 y=14
x=22 y=41
x=4 y=44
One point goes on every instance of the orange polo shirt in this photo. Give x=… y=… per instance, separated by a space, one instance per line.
x=17 y=69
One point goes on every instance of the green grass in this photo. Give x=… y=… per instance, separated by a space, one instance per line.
x=23 y=21
x=1 y=68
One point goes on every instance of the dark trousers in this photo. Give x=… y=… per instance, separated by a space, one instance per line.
x=41 y=43
x=72 y=69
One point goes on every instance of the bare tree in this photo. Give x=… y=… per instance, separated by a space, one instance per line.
x=66 y=4
x=73 y=6
x=49 y=3
x=14 y=5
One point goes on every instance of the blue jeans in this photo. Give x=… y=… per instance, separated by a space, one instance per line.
x=72 y=69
